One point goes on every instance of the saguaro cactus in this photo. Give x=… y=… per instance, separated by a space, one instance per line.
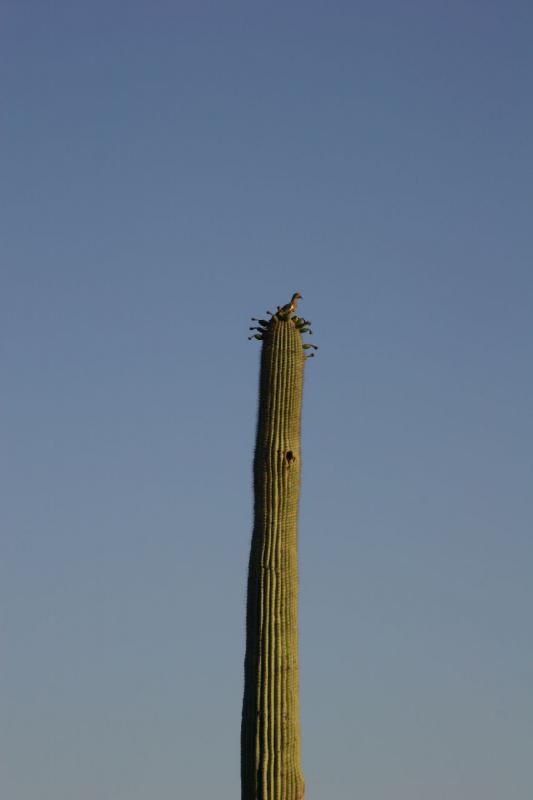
x=270 y=732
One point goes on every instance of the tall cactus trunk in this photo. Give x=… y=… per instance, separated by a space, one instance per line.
x=270 y=733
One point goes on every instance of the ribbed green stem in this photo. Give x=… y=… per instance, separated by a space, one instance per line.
x=270 y=734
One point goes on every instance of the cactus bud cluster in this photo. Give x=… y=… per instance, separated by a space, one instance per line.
x=299 y=323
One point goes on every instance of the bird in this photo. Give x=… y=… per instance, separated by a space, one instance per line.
x=289 y=308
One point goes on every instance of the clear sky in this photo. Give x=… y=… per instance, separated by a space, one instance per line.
x=169 y=169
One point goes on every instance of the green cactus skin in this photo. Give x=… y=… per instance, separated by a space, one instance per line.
x=270 y=732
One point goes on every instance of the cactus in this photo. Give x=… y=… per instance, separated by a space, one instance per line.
x=270 y=732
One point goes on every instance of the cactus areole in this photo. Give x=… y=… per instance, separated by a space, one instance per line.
x=270 y=732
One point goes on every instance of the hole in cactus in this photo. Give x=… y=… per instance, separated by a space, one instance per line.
x=289 y=455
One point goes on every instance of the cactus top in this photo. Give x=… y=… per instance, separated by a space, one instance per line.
x=266 y=327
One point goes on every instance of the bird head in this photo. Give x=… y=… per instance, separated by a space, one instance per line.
x=297 y=296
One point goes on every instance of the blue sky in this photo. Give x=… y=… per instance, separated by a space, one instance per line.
x=169 y=170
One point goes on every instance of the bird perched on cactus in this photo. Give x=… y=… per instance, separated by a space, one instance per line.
x=290 y=308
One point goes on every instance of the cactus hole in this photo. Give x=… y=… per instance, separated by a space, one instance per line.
x=289 y=455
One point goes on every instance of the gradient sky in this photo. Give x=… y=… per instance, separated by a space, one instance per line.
x=169 y=169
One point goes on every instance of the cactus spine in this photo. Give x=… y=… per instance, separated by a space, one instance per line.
x=270 y=732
